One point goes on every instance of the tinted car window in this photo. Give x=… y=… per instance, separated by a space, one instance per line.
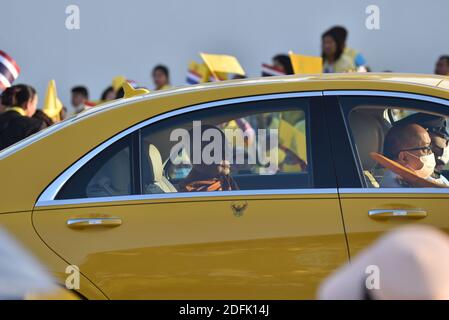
x=107 y=174
x=267 y=144
x=406 y=133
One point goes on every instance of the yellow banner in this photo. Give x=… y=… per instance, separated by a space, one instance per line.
x=293 y=138
x=118 y=82
x=218 y=63
x=201 y=70
x=306 y=64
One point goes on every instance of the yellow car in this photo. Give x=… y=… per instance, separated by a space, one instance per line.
x=100 y=192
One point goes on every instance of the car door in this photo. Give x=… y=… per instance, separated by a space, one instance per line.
x=369 y=210
x=117 y=216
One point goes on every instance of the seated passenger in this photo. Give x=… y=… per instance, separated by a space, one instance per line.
x=436 y=126
x=208 y=177
x=410 y=146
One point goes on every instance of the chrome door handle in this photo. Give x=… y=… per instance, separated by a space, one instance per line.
x=389 y=213
x=78 y=223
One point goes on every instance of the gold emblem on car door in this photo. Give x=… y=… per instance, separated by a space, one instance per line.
x=238 y=208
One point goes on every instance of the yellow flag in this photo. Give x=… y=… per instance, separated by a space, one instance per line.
x=197 y=73
x=52 y=104
x=306 y=64
x=118 y=82
x=130 y=91
x=219 y=63
x=293 y=139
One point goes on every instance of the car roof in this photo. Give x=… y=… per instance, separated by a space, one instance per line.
x=428 y=80
x=431 y=80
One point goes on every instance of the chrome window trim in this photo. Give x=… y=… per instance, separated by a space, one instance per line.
x=48 y=196
x=387 y=94
x=191 y=195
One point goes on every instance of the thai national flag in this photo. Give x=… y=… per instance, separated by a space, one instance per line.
x=269 y=70
x=193 y=77
x=9 y=71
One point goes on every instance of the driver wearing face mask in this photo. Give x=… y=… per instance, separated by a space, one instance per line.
x=436 y=126
x=410 y=146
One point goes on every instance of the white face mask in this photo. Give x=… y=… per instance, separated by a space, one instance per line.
x=428 y=167
x=445 y=156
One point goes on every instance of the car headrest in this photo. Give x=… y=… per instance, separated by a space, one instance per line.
x=156 y=166
x=368 y=133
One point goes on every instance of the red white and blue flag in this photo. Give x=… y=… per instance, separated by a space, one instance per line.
x=269 y=70
x=9 y=71
x=193 y=77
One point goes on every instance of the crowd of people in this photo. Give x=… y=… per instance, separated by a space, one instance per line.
x=20 y=117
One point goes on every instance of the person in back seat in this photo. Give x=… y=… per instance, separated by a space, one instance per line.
x=410 y=146
x=208 y=177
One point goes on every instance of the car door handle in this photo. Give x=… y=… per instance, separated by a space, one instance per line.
x=79 y=223
x=392 y=213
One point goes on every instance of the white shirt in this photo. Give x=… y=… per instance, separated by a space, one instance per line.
x=441 y=180
x=393 y=180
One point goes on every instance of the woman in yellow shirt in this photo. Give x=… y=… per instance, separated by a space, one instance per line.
x=332 y=52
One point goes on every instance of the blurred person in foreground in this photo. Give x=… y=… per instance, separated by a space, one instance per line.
x=409 y=263
x=20 y=274
x=442 y=66
x=23 y=277
x=16 y=123
x=161 y=77
x=333 y=46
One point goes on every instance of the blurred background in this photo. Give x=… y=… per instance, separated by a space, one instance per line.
x=131 y=37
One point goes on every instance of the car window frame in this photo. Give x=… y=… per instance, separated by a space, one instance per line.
x=250 y=109
x=130 y=142
x=47 y=197
x=361 y=188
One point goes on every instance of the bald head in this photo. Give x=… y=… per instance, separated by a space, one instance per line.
x=404 y=137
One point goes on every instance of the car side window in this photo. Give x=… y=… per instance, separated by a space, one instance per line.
x=398 y=142
x=107 y=174
x=247 y=146
x=260 y=145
